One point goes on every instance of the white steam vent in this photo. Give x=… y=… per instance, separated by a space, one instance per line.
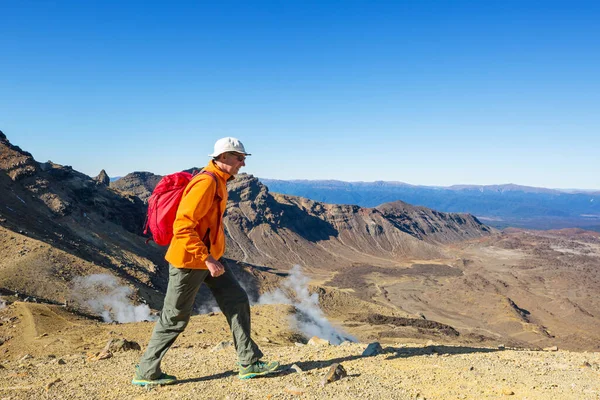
x=106 y=297
x=309 y=318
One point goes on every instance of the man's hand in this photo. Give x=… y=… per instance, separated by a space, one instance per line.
x=215 y=267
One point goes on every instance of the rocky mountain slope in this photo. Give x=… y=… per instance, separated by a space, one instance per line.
x=274 y=229
x=57 y=224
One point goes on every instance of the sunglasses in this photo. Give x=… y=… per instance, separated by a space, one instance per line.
x=240 y=157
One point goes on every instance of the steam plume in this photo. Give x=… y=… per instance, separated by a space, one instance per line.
x=309 y=318
x=105 y=297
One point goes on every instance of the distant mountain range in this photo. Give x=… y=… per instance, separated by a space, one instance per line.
x=497 y=205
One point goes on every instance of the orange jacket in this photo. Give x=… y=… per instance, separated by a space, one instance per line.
x=197 y=212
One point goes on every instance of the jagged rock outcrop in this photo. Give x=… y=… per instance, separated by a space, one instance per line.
x=103 y=178
x=16 y=163
x=139 y=184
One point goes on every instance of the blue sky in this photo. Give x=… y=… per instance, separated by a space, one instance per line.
x=424 y=92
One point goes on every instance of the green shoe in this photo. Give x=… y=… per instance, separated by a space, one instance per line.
x=259 y=368
x=163 y=379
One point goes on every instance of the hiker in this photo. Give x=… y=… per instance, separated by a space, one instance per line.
x=194 y=257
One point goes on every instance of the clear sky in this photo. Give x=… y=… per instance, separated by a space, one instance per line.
x=425 y=92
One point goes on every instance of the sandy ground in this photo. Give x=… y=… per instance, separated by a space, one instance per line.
x=403 y=371
x=59 y=363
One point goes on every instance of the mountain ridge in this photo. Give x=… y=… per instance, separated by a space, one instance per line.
x=499 y=205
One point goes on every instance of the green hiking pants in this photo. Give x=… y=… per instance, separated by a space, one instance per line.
x=182 y=289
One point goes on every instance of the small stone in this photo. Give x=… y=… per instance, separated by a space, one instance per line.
x=222 y=345
x=501 y=347
x=200 y=331
x=372 y=349
x=294 y=390
x=296 y=368
x=298 y=344
x=317 y=341
x=26 y=357
x=335 y=372
x=507 y=392
x=52 y=383
x=552 y=348
x=60 y=361
x=104 y=355
x=586 y=365
x=266 y=340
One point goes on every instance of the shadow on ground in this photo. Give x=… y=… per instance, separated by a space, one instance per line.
x=401 y=352
x=404 y=352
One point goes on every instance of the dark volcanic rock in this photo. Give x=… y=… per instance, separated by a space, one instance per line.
x=103 y=178
x=378 y=319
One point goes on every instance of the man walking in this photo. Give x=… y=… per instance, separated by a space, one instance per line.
x=194 y=257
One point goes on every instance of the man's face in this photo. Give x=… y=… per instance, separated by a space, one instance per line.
x=232 y=162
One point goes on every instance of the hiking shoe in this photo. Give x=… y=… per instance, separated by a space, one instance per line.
x=259 y=368
x=163 y=379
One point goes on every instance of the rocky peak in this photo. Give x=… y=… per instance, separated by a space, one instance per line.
x=139 y=183
x=16 y=163
x=246 y=187
x=103 y=178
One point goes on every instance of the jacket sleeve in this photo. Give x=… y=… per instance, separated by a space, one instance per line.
x=195 y=204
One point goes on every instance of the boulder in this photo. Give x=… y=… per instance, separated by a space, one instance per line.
x=116 y=345
x=372 y=349
x=317 y=341
x=335 y=372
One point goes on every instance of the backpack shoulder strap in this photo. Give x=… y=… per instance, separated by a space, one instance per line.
x=218 y=201
x=214 y=179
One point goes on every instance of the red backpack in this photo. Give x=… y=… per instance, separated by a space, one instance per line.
x=163 y=204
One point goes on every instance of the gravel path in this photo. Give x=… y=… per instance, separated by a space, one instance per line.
x=402 y=371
